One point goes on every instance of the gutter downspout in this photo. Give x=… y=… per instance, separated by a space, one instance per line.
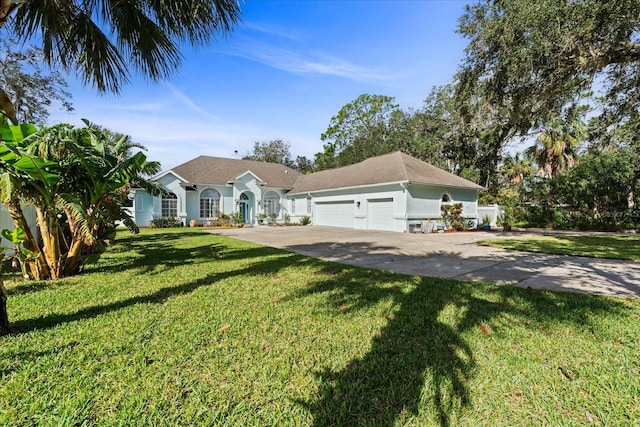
x=405 y=191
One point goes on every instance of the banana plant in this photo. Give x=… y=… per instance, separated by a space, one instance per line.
x=22 y=255
x=11 y=189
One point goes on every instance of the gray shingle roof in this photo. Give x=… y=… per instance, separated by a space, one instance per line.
x=393 y=167
x=218 y=170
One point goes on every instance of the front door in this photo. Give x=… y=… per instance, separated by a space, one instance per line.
x=245 y=208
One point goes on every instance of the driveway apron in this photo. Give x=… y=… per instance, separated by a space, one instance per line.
x=450 y=255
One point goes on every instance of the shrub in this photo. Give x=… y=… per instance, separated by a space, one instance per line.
x=305 y=220
x=236 y=218
x=166 y=222
x=452 y=216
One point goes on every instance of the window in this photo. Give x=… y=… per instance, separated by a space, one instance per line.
x=293 y=206
x=271 y=203
x=446 y=198
x=169 y=205
x=209 y=203
x=309 y=205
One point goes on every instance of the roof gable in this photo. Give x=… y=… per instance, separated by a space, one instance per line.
x=248 y=172
x=393 y=167
x=168 y=172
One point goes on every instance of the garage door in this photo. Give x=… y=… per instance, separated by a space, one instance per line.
x=380 y=214
x=335 y=214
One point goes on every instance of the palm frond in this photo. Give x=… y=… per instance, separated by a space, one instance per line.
x=147 y=34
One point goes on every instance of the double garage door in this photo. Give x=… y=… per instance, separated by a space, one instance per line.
x=341 y=214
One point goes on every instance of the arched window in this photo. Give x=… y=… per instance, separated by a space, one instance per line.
x=271 y=203
x=169 y=205
x=209 y=203
x=446 y=198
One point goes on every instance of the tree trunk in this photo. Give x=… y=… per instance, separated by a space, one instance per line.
x=74 y=252
x=50 y=243
x=73 y=257
x=38 y=267
x=4 y=315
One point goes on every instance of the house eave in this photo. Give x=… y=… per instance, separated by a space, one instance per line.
x=381 y=184
x=352 y=187
x=463 y=187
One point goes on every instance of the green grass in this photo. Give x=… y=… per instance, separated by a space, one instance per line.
x=184 y=327
x=615 y=247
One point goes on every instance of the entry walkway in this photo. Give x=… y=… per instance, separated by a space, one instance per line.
x=451 y=255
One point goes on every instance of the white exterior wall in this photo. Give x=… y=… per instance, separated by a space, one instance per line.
x=172 y=184
x=143 y=208
x=6 y=222
x=193 y=205
x=300 y=207
x=193 y=201
x=425 y=201
x=284 y=202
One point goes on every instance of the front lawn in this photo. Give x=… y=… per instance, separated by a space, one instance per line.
x=184 y=327
x=597 y=246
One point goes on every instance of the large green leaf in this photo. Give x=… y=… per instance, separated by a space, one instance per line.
x=16 y=236
x=16 y=133
x=35 y=167
x=8 y=153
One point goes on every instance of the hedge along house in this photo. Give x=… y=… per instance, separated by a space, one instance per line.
x=203 y=188
x=392 y=192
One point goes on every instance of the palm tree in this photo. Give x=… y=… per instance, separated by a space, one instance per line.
x=100 y=39
x=556 y=147
x=517 y=168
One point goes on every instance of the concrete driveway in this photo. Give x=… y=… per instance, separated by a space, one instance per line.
x=451 y=255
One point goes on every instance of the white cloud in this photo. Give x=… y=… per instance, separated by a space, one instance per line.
x=284 y=33
x=186 y=101
x=311 y=62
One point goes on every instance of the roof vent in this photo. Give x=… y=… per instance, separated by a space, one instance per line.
x=286 y=171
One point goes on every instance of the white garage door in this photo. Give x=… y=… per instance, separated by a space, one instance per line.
x=380 y=214
x=335 y=214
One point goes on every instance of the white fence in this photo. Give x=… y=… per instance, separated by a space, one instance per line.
x=491 y=211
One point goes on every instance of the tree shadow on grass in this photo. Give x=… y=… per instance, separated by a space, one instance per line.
x=420 y=362
x=151 y=254
x=15 y=359
x=258 y=260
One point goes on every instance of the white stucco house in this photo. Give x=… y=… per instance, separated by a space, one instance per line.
x=392 y=192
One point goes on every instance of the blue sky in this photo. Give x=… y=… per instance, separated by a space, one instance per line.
x=285 y=70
